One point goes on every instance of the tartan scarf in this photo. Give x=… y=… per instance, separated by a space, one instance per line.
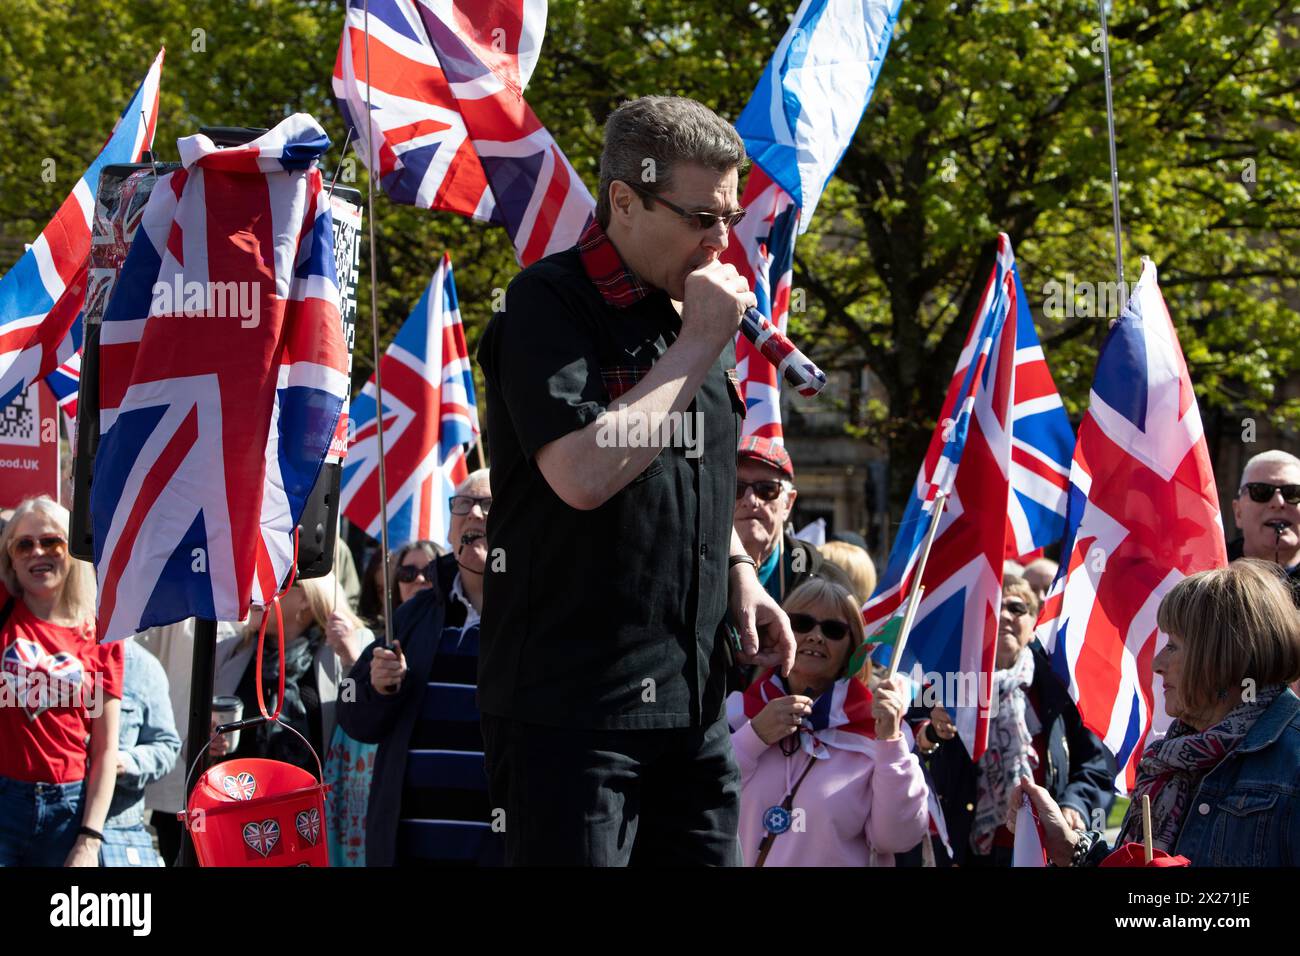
x=1172 y=768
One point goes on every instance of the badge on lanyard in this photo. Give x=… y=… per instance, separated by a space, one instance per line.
x=776 y=820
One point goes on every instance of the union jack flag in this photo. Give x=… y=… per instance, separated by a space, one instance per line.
x=762 y=250
x=1143 y=514
x=972 y=458
x=430 y=421
x=223 y=375
x=449 y=120
x=66 y=379
x=241 y=786
x=42 y=295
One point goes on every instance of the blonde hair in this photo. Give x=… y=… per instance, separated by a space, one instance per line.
x=1235 y=623
x=321 y=594
x=77 y=597
x=817 y=590
x=854 y=562
x=1015 y=584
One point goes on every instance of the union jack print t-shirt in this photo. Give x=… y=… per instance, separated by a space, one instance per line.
x=54 y=681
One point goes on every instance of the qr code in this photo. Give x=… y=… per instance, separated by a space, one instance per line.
x=20 y=421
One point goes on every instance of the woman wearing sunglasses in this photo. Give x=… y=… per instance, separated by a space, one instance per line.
x=60 y=688
x=413 y=570
x=1035 y=730
x=827 y=777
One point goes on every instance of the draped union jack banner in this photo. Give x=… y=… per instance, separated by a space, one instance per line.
x=451 y=128
x=971 y=457
x=1143 y=514
x=430 y=420
x=223 y=375
x=42 y=295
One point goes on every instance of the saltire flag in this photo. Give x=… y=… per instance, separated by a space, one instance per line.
x=452 y=130
x=1143 y=514
x=430 y=421
x=807 y=104
x=796 y=127
x=42 y=295
x=223 y=375
x=969 y=458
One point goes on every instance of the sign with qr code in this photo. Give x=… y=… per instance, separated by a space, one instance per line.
x=29 y=447
x=347 y=249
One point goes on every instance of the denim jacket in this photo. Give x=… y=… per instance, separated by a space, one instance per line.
x=147 y=741
x=1246 y=811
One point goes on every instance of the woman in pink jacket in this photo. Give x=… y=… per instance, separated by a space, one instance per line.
x=827 y=777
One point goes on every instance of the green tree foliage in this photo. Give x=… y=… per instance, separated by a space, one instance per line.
x=989 y=116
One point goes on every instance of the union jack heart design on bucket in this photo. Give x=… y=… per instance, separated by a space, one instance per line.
x=308 y=825
x=241 y=786
x=263 y=836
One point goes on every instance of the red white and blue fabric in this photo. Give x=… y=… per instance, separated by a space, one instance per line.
x=841 y=717
x=214 y=428
x=762 y=250
x=1143 y=514
x=42 y=295
x=66 y=379
x=807 y=104
x=452 y=130
x=430 y=422
x=969 y=457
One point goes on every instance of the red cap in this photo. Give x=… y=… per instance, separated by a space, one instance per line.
x=768 y=452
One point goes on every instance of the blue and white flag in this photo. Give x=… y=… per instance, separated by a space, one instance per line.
x=814 y=91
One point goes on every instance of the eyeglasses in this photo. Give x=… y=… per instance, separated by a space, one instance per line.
x=409 y=573
x=700 y=220
x=767 y=490
x=834 y=630
x=51 y=544
x=464 y=504
x=1015 y=608
x=1262 y=492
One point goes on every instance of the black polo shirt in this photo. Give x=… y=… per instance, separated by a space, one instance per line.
x=606 y=618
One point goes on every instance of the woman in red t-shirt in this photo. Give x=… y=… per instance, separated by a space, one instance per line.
x=59 y=690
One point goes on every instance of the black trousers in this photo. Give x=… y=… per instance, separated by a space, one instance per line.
x=614 y=797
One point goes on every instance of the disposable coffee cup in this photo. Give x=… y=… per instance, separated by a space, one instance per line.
x=227 y=710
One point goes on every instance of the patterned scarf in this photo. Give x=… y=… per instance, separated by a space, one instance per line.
x=1171 y=769
x=1010 y=754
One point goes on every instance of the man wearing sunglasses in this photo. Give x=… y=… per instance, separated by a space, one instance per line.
x=604 y=651
x=1267 y=512
x=765 y=495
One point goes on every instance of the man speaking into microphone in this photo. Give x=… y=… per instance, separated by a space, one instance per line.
x=613 y=416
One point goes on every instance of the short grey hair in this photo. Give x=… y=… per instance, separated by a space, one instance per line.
x=470 y=479
x=654 y=134
x=1274 y=456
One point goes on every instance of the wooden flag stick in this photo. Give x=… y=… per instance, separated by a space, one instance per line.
x=1147 y=850
x=478 y=447
x=914 y=599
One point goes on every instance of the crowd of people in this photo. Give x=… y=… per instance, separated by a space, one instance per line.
x=856 y=771
x=656 y=670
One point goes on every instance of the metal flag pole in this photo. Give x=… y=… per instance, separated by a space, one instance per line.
x=1114 y=164
x=914 y=599
x=371 y=166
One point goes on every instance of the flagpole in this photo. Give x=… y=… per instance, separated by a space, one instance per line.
x=1114 y=164
x=371 y=166
x=914 y=599
x=478 y=447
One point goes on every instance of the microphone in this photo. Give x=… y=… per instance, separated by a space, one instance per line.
x=792 y=365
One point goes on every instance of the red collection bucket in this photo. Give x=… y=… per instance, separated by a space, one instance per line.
x=257 y=812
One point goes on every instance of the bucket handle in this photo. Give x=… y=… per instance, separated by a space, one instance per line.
x=240 y=725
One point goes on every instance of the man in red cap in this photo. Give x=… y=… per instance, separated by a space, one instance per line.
x=765 y=496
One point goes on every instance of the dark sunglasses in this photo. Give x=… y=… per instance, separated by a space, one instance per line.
x=464 y=504
x=700 y=220
x=768 y=489
x=834 y=630
x=1015 y=608
x=51 y=544
x=408 y=573
x=1262 y=492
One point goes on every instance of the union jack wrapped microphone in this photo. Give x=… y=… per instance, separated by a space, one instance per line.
x=791 y=364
